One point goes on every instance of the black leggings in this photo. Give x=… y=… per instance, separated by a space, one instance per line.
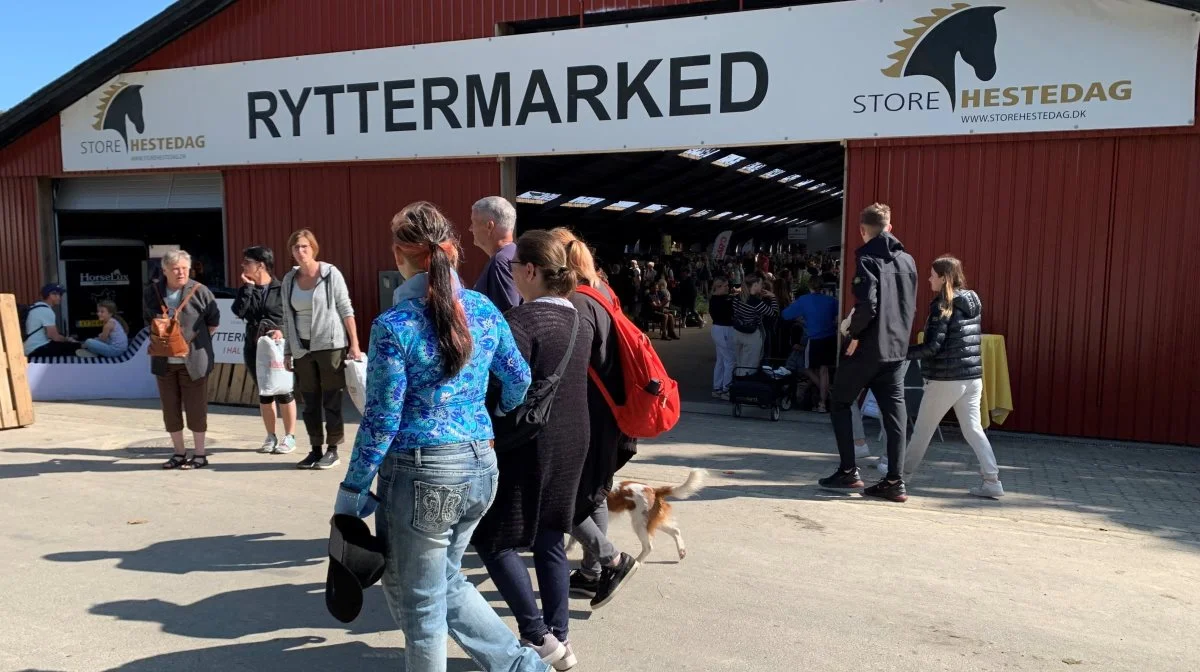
x=508 y=572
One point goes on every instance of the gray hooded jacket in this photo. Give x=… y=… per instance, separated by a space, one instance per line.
x=331 y=305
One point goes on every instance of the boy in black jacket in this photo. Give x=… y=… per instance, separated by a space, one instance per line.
x=885 y=286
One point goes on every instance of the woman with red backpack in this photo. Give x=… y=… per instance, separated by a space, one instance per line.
x=604 y=569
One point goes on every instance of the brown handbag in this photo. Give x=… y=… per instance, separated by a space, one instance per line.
x=166 y=334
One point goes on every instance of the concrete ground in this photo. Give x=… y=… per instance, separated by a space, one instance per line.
x=1091 y=562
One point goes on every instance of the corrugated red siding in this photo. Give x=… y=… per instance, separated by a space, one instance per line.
x=257 y=29
x=1150 y=385
x=349 y=209
x=20 y=272
x=37 y=154
x=1076 y=246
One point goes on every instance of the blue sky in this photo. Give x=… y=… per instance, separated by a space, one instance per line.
x=39 y=41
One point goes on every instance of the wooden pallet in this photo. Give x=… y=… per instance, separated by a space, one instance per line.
x=233 y=385
x=16 y=403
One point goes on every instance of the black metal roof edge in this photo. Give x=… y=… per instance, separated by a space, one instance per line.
x=144 y=40
x=114 y=59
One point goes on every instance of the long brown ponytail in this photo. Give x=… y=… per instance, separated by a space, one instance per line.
x=424 y=235
x=950 y=270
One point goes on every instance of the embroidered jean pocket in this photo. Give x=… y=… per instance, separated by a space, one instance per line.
x=438 y=507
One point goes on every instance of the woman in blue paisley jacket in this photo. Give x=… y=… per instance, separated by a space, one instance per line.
x=426 y=434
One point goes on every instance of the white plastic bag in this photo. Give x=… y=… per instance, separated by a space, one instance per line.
x=356 y=382
x=273 y=376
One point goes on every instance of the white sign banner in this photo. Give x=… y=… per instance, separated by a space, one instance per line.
x=843 y=70
x=229 y=337
x=721 y=245
x=797 y=233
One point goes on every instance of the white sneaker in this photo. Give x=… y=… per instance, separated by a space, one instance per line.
x=86 y=354
x=568 y=661
x=268 y=444
x=861 y=451
x=286 y=446
x=989 y=489
x=882 y=466
x=550 y=651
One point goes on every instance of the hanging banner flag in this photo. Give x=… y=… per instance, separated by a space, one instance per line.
x=721 y=245
x=748 y=247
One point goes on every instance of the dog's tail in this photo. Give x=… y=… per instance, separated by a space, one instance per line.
x=693 y=484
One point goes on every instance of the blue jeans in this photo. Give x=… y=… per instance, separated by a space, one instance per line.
x=508 y=572
x=101 y=348
x=432 y=500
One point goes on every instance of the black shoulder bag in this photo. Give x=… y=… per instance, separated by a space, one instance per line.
x=523 y=424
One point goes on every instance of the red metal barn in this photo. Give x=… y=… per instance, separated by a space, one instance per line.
x=1077 y=240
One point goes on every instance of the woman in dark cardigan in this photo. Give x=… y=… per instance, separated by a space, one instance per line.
x=535 y=498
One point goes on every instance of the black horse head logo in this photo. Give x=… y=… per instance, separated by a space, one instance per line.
x=933 y=44
x=121 y=102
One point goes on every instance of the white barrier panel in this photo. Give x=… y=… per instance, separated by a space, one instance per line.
x=230 y=336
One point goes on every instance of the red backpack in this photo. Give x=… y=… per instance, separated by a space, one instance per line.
x=651 y=397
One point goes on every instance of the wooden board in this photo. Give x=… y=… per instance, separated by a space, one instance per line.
x=232 y=384
x=16 y=402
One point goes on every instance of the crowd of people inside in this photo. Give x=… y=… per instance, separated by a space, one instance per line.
x=457 y=438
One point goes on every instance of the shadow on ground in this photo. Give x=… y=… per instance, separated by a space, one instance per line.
x=252 y=611
x=1143 y=488
x=294 y=654
x=269 y=609
x=227 y=553
x=122 y=460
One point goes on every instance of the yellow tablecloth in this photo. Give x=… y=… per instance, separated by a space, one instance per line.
x=997 y=401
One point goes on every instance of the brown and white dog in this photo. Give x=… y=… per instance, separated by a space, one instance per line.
x=650 y=511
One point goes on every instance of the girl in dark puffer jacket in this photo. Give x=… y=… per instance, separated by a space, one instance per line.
x=952 y=364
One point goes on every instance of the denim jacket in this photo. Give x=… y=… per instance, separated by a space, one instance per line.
x=409 y=402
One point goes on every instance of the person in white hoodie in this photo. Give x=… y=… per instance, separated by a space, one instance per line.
x=320 y=333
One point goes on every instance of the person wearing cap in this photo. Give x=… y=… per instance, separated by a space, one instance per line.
x=41 y=335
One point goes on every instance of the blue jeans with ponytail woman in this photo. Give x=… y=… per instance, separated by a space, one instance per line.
x=427 y=435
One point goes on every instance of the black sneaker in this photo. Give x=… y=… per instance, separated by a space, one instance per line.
x=612 y=579
x=583 y=585
x=885 y=489
x=842 y=480
x=329 y=461
x=310 y=462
